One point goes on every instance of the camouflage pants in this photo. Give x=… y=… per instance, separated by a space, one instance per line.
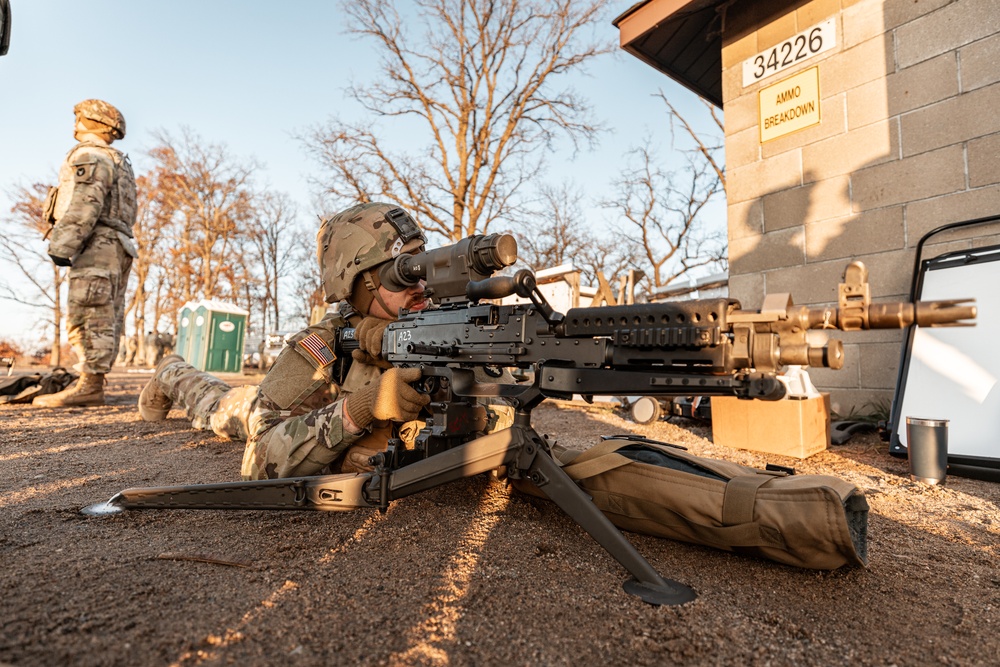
x=313 y=443
x=296 y=443
x=281 y=445
x=210 y=403
x=97 y=282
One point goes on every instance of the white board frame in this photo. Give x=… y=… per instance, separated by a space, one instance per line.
x=953 y=373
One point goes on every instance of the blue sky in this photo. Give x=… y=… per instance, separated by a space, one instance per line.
x=251 y=75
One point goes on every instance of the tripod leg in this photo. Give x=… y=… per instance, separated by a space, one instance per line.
x=474 y=457
x=646 y=582
x=322 y=492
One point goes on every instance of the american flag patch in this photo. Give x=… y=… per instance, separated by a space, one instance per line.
x=317 y=348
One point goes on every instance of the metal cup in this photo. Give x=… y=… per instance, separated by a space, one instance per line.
x=927 y=449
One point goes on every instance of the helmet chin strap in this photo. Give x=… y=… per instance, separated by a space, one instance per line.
x=372 y=285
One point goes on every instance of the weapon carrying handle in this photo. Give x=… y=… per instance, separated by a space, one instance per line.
x=521 y=283
x=496 y=287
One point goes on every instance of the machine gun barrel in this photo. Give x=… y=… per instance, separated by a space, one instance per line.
x=776 y=335
x=895 y=315
x=780 y=336
x=923 y=313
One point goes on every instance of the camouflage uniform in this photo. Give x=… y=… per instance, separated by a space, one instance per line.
x=209 y=403
x=293 y=423
x=297 y=425
x=95 y=211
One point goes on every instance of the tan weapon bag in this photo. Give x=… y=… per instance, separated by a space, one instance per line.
x=644 y=486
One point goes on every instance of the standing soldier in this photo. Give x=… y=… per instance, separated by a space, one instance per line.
x=149 y=349
x=131 y=348
x=93 y=211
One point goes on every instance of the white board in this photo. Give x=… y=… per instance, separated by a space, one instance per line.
x=954 y=372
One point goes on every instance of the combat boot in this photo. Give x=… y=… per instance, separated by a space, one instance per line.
x=154 y=404
x=88 y=390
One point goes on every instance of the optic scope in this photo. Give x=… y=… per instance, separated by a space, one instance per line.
x=448 y=270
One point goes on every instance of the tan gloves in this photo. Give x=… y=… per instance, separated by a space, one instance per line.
x=390 y=398
x=369 y=336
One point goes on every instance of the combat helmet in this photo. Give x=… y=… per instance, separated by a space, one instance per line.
x=352 y=242
x=102 y=112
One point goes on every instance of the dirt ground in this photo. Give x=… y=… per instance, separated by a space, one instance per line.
x=466 y=574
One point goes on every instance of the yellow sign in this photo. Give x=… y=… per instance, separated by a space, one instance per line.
x=789 y=105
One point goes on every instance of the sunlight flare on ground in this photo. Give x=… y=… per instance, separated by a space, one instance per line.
x=431 y=639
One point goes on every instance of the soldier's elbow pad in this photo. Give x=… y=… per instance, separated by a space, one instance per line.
x=61 y=261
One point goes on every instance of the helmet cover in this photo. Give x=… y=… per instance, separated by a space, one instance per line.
x=359 y=239
x=102 y=112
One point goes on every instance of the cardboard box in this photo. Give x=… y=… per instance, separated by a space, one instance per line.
x=788 y=427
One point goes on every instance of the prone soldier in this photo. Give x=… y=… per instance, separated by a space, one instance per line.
x=315 y=413
x=93 y=211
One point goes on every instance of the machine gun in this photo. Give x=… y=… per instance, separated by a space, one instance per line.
x=708 y=347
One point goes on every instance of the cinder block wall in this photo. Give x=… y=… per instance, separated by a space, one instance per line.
x=909 y=140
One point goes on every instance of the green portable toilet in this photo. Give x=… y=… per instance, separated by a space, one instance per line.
x=210 y=336
x=184 y=322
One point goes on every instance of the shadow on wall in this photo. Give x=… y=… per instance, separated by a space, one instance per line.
x=900 y=150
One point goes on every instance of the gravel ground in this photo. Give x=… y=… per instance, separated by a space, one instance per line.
x=466 y=574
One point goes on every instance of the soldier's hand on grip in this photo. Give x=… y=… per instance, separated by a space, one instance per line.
x=389 y=398
x=369 y=336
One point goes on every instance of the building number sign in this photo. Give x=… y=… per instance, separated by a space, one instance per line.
x=792 y=51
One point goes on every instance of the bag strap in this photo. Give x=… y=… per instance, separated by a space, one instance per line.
x=592 y=467
x=738 y=501
x=742 y=536
x=602 y=448
x=603 y=457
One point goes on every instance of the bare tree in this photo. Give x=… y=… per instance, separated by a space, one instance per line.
x=307 y=289
x=557 y=234
x=710 y=150
x=272 y=241
x=608 y=255
x=479 y=86
x=149 y=270
x=209 y=193
x=22 y=244
x=662 y=213
x=203 y=206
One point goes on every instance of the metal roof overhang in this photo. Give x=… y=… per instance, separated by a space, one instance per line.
x=681 y=38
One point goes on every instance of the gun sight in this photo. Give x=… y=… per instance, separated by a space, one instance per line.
x=450 y=268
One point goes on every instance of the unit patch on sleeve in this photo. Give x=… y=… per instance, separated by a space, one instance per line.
x=318 y=349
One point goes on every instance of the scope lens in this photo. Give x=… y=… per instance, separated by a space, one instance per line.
x=395 y=276
x=493 y=252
